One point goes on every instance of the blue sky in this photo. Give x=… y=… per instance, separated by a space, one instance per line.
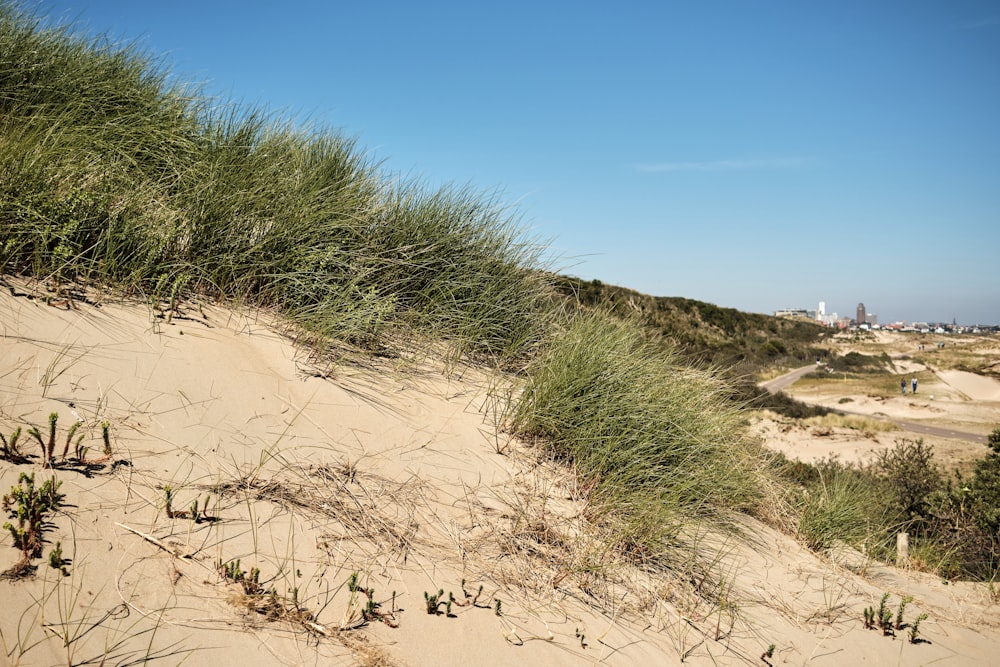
x=755 y=154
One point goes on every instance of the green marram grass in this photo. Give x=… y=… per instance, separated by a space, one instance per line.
x=848 y=505
x=112 y=173
x=661 y=442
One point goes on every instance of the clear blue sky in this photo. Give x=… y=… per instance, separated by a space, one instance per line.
x=754 y=154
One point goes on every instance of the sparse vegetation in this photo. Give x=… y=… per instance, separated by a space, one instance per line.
x=915 y=629
x=882 y=617
x=899 y=612
x=11 y=448
x=433 y=602
x=56 y=560
x=371 y=611
x=31 y=507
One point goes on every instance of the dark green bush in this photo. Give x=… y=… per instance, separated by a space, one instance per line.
x=911 y=476
x=855 y=362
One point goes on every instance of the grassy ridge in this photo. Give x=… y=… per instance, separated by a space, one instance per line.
x=110 y=173
x=114 y=175
x=741 y=344
x=705 y=332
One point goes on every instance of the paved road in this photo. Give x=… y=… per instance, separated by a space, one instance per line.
x=781 y=382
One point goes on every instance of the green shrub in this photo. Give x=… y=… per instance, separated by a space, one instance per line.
x=855 y=362
x=964 y=519
x=911 y=475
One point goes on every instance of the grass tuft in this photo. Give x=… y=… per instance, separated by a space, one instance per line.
x=657 y=443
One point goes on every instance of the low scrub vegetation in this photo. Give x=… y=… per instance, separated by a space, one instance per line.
x=854 y=422
x=855 y=362
x=704 y=332
x=953 y=523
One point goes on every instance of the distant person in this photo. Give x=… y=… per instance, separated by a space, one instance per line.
x=914 y=382
x=902 y=386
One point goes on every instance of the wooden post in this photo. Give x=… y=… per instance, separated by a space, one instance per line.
x=902 y=549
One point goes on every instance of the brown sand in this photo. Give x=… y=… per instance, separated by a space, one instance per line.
x=394 y=471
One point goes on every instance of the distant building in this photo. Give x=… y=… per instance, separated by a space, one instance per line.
x=860 y=319
x=791 y=312
x=871 y=318
x=818 y=315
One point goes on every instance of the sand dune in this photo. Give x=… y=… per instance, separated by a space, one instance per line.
x=391 y=469
x=976 y=387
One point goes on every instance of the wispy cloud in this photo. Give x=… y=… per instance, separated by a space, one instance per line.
x=723 y=165
x=989 y=22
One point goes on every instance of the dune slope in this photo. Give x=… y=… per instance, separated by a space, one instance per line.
x=390 y=470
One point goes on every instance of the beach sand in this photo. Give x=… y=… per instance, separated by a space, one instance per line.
x=391 y=469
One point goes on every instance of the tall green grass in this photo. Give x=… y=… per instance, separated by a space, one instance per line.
x=846 y=506
x=660 y=441
x=110 y=171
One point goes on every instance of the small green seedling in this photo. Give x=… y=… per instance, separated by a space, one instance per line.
x=73 y=443
x=884 y=617
x=899 y=613
x=869 y=618
x=496 y=609
x=30 y=506
x=372 y=609
x=915 y=629
x=106 y=437
x=11 y=452
x=250 y=581
x=469 y=599
x=69 y=438
x=81 y=452
x=168 y=496
x=433 y=602
x=352 y=582
x=48 y=447
x=582 y=637
x=56 y=560
x=370 y=612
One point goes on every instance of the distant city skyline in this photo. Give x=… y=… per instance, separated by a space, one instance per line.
x=862 y=313
x=890 y=314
